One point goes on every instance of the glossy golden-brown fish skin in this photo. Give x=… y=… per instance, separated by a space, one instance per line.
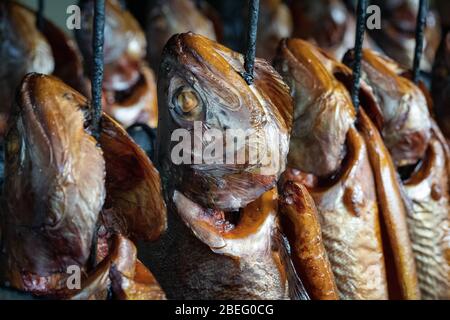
x=209 y=75
x=426 y=201
x=399 y=257
x=441 y=85
x=169 y=17
x=206 y=256
x=49 y=152
x=351 y=228
x=129 y=85
x=396 y=37
x=406 y=119
x=23 y=49
x=275 y=24
x=300 y=222
x=223 y=239
x=342 y=185
x=322 y=115
x=134 y=198
x=427 y=190
x=55 y=190
x=121 y=272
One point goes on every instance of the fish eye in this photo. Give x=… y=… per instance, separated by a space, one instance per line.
x=187 y=104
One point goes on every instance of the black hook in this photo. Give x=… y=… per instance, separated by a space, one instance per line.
x=40 y=15
x=420 y=29
x=361 y=17
x=98 y=40
x=251 y=41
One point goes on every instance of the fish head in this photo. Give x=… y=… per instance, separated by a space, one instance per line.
x=403 y=105
x=125 y=43
x=171 y=17
x=203 y=95
x=54 y=179
x=323 y=110
x=23 y=49
x=325 y=21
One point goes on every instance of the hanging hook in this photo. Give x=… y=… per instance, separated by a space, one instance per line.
x=98 y=40
x=361 y=16
x=251 y=41
x=40 y=14
x=420 y=28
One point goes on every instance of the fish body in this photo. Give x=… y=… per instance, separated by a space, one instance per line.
x=300 y=222
x=223 y=239
x=47 y=149
x=397 y=247
x=428 y=195
x=58 y=186
x=351 y=228
x=341 y=180
x=419 y=145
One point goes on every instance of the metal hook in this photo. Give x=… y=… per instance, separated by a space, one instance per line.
x=251 y=41
x=98 y=40
x=40 y=14
x=361 y=16
x=420 y=28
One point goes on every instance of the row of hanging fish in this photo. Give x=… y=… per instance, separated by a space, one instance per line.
x=349 y=203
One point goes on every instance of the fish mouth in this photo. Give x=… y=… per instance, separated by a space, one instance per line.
x=233 y=232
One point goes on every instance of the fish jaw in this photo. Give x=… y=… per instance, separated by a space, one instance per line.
x=323 y=110
x=55 y=179
x=300 y=222
x=261 y=111
x=212 y=259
